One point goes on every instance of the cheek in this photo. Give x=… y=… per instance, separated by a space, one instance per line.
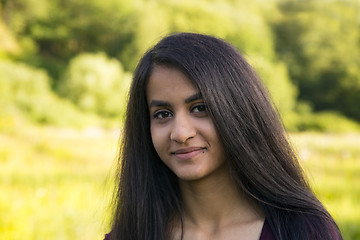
x=213 y=137
x=159 y=139
x=208 y=128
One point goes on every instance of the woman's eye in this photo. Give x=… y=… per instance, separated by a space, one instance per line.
x=199 y=108
x=162 y=115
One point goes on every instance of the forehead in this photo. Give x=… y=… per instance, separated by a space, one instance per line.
x=165 y=80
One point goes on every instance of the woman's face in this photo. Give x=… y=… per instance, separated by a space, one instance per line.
x=182 y=131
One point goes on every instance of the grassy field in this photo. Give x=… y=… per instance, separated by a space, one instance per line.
x=332 y=163
x=56 y=183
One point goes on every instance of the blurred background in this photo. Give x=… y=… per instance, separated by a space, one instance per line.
x=65 y=69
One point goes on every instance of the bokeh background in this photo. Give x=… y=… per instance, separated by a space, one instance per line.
x=65 y=68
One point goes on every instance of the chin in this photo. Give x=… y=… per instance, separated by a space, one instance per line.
x=190 y=176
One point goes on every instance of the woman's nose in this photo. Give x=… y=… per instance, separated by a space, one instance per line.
x=182 y=130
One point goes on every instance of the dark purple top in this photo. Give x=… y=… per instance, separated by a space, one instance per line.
x=266 y=233
x=107 y=236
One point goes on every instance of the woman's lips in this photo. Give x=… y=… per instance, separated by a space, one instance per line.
x=188 y=153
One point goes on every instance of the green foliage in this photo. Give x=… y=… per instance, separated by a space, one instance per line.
x=96 y=83
x=241 y=23
x=324 y=121
x=8 y=44
x=275 y=77
x=327 y=122
x=59 y=30
x=303 y=50
x=25 y=91
x=319 y=40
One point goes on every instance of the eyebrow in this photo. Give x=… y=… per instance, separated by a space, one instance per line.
x=159 y=103
x=196 y=96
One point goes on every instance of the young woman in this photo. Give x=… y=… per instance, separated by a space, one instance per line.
x=204 y=154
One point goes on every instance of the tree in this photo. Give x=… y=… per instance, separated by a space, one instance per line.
x=97 y=84
x=320 y=42
x=53 y=32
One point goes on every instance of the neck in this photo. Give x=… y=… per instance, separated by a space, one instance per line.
x=216 y=201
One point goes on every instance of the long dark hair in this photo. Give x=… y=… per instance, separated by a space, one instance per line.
x=261 y=161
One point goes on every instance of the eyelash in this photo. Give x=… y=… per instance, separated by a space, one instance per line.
x=200 y=106
x=158 y=114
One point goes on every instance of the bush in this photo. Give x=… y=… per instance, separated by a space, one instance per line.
x=326 y=121
x=25 y=92
x=275 y=77
x=97 y=84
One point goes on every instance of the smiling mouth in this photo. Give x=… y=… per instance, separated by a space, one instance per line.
x=188 y=153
